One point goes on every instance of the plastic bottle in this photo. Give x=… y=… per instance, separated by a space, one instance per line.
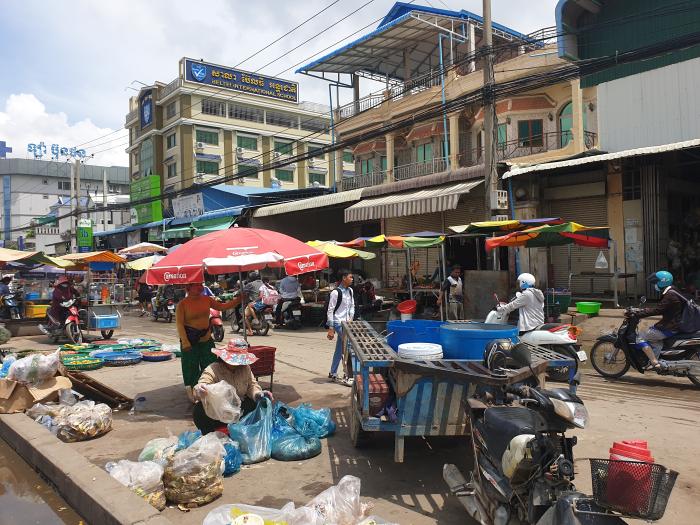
x=138 y=406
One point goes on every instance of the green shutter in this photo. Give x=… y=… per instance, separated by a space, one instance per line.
x=249 y=143
x=250 y=172
x=285 y=175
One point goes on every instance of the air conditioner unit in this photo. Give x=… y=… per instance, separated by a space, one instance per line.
x=500 y=218
x=275 y=154
x=499 y=200
x=239 y=151
x=199 y=145
x=311 y=162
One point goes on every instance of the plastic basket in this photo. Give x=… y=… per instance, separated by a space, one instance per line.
x=83 y=364
x=157 y=356
x=120 y=358
x=632 y=488
x=265 y=365
x=35 y=311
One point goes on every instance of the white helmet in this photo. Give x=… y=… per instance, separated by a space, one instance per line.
x=526 y=280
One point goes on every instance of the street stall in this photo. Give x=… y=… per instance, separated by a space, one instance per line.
x=106 y=292
x=37 y=286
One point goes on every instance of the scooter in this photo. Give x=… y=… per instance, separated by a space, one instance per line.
x=72 y=327
x=261 y=321
x=165 y=308
x=560 y=337
x=216 y=325
x=613 y=354
x=523 y=461
x=10 y=306
x=291 y=313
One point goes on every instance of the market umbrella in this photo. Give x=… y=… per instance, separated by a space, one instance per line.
x=396 y=241
x=142 y=247
x=144 y=263
x=333 y=249
x=89 y=257
x=554 y=235
x=503 y=226
x=7 y=255
x=188 y=263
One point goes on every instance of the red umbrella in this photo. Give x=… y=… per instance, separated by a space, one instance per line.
x=186 y=265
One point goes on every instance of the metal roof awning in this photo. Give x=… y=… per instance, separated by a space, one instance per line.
x=424 y=131
x=591 y=159
x=414 y=203
x=370 y=146
x=308 y=204
x=207 y=156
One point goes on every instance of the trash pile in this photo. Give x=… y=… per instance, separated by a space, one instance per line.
x=145 y=478
x=72 y=421
x=91 y=356
x=337 y=505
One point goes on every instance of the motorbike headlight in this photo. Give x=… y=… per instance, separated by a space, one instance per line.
x=574 y=413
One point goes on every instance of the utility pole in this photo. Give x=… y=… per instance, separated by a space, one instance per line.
x=490 y=122
x=74 y=177
x=104 y=200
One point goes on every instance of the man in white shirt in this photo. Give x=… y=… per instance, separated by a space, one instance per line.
x=290 y=289
x=453 y=288
x=341 y=307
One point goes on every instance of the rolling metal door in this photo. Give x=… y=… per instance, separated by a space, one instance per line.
x=589 y=211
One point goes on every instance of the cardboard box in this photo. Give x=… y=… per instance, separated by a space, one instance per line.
x=18 y=397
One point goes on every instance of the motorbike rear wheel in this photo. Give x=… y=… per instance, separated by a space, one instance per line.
x=217 y=332
x=235 y=326
x=694 y=378
x=608 y=360
x=75 y=335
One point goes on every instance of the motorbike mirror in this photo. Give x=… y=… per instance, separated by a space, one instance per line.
x=521 y=355
x=643 y=299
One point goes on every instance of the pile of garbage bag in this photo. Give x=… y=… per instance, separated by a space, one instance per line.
x=337 y=505
x=160 y=450
x=35 y=368
x=145 y=478
x=78 y=422
x=6 y=364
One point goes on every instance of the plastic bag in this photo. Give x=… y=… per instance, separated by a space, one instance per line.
x=340 y=504
x=313 y=423
x=287 y=515
x=84 y=420
x=288 y=444
x=233 y=459
x=253 y=433
x=145 y=478
x=195 y=476
x=34 y=368
x=188 y=437
x=67 y=397
x=222 y=403
x=160 y=450
x=170 y=347
x=5 y=369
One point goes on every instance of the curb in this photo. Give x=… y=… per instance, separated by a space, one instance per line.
x=90 y=490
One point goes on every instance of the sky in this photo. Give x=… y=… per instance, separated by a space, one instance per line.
x=70 y=66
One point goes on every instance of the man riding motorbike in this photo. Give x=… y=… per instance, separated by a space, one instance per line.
x=530 y=303
x=63 y=291
x=670 y=308
x=289 y=289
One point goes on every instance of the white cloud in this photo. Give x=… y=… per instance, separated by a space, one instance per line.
x=25 y=120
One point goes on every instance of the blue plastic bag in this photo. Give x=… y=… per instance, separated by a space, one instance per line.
x=188 y=437
x=232 y=460
x=312 y=423
x=253 y=433
x=5 y=369
x=287 y=443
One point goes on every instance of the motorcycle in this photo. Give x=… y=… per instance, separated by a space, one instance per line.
x=559 y=337
x=165 y=308
x=216 y=325
x=523 y=460
x=260 y=323
x=72 y=327
x=613 y=354
x=10 y=305
x=291 y=313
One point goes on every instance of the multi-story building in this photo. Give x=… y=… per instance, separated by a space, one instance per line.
x=214 y=121
x=32 y=187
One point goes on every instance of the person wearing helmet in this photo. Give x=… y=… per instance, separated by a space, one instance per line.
x=670 y=308
x=530 y=303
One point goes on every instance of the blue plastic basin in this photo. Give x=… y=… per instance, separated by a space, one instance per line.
x=413 y=331
x=468 y=340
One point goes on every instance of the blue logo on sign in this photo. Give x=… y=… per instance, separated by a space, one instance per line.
x=199 y=71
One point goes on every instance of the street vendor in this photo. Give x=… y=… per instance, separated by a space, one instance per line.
x=63 y=291
x=232 y=364
x=192 y=318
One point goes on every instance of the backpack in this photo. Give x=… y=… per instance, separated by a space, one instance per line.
x=690 y=317
x=269 y=296
x=338 y=302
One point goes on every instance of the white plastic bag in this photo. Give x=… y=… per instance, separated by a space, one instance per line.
x=195 y=476
x=145 y=478
x=287 y=515
x=339 y=505
x=160 y=450
x=222 y=403
x=81 y=421
x=34 y=368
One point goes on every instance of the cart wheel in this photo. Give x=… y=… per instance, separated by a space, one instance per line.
x=358 y=437
x=107 y=334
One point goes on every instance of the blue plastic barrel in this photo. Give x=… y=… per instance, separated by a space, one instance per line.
x=468 y=340
x=413 y=331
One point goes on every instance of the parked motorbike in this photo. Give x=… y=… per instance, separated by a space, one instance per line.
x=613 y=354
x=216 y=325
x=72 y=327
x=261 y=321
x=165 y=309
x=560 y=337
x=291 y=313
x=10 y=306
x=523 y=460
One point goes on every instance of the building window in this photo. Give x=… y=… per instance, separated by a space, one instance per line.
x=382 y=163
x=314 y=124
x=246 y=113
x=45 y=196
x=285 y=175
x=170 y=141
x=113 y=188
x=502 y=137
x=283 y=148
x=45 y=181
x=136 y=157
x=249 y=172
x=366 y=166
x=64 y=185
x=146 y=156
x=285 y=120
x=172 y=170
x=245 y=142
x=171 y=110
x=214 y=107
x=208 y=137
x=530 y=133
x=424 y=152
x=317 y=177
x=347 y=157
x=631 y=186
x=316 y=151
x=208 y=167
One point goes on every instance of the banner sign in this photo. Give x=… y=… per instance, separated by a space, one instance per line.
x=237 y=80
x=188 y=206
x=146 y=187
x=84 y=233
x=175 y=274
x=146 y=108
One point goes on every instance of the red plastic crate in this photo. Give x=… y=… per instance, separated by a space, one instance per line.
x=265 y=365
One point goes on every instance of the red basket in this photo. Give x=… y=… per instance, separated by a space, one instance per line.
x=265 y=365
x=407 y=307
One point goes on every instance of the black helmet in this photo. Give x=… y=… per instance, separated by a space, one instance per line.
x=253 y=276
x=497 y=353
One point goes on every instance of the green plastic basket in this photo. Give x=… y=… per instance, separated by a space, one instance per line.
x=84 y=364
x=588 y=307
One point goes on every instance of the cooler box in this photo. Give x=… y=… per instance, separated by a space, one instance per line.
x=468 y=340
x=104 y=322
x=34 y=311
x=378 y=392
x=412 y=331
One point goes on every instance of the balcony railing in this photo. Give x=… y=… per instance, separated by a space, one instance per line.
x=418 y=169
x=167 y=90
x=362 y=181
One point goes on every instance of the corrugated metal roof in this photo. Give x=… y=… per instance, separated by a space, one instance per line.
x=652 y=150
x=307 y=204
x=414 y=203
